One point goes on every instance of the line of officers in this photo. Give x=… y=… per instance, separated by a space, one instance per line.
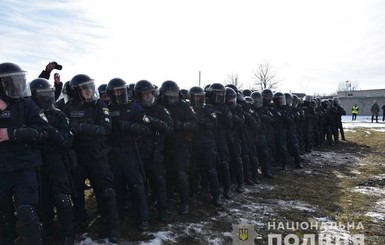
x=141 y=140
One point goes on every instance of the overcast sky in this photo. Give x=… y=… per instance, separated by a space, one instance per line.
x=312 y=45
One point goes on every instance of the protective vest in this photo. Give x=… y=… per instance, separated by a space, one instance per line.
x=355 y=110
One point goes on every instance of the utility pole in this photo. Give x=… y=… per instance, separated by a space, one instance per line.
x=199 y=78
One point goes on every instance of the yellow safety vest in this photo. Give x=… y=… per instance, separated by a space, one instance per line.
x=355 y=110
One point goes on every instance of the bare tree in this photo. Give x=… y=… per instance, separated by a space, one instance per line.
x=233 y=79
x=264 y=77
x=348 y=86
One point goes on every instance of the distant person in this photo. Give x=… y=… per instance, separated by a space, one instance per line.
x=375 y=110
x=383 y=113
x=355 y=111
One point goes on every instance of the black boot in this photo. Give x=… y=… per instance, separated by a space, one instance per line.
x=65 y=216
x=183 y=189
x=247 y=170
x=239 y=174
x=226 y=180
x=161 y=197
x=214 y=187
x=30 y=223
x=343 y=135
x=112 y=215
x=266 y=162
x=142 y=207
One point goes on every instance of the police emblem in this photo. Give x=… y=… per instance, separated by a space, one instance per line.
x=146 y=119
x=106 y=111
x=243 y=234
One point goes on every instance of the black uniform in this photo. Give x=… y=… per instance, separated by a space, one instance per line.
x=204 y=156
x=55 y=174
x=129 y=124
x=19 y=159
x=91 y=124
x=152 y=147
x=178 y=149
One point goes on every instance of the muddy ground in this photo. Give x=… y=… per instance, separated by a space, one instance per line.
x=344 y=183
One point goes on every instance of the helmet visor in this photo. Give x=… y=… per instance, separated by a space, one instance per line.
x=197 y=100
x=45 y=98
x=119 y=95
x=15 y=85
x=219 y=97
x=86 y=91
x=171 y=96
x=146 y=98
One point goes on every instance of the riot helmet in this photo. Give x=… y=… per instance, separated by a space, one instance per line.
x=144 y=92
x=197 y=97
x=43 y=94
x=102 y=89
x=117 y=90
x=249 y=100
x=231 y=97
x=257 y=97
x=325 y=104
x=307 y=98
x=169 y=93
x=314 y=103
x=233 y=87
x=295 y=100
x=337 y=102
x=130 y=91
x=246 y=92
x=83 y=88
x=216 y=94
x=279 y=99
x=207 y=88
x=289 y=99
x=184 y=93
x=13 y=81
x=267 y=96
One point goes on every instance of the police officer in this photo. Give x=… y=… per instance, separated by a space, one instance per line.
x=204 y=155
x=234 y=137
x=262 y=147
x=327 y=122
x=129 y=124
x=91 y=124
x=308 y=128
x=55 y=176
x=287 y=116
x=253 y=124
x=215 y=96
x=152 y=145
x=178 y=144
x=340 y=112
x=22 y=125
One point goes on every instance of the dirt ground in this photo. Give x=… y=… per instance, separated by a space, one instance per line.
x=344 y=183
